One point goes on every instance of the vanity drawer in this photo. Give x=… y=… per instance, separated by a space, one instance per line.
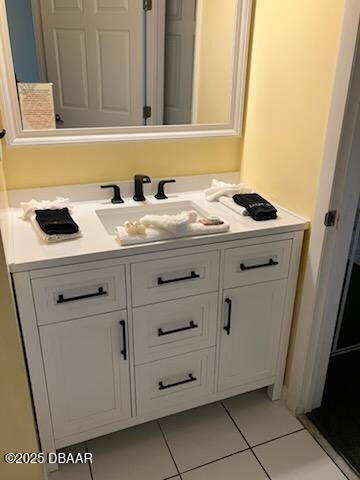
x=79 y=294
x=174 y=277
x=257 y=263
x=174 y=381
x=173 y=328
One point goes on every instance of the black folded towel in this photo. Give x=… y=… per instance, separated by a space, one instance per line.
x=259 y=209
x=56 y=222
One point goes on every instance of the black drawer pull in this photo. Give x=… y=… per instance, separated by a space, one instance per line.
x=191 y=277
x=271 y=263
x=188 y=380
x=228 y=325
x=99 y=293
x=124 y=349
x=191 y=326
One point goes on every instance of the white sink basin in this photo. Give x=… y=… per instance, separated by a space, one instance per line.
x=116 y=217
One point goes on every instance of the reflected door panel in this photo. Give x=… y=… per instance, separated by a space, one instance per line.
x=66 y=5
x=180 y=29
x=94 y=56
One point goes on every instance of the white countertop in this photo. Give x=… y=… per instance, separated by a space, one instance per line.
x=27 y=252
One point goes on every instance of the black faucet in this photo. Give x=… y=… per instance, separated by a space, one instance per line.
x=160 y=193
x=139 y=180
x=117 y=197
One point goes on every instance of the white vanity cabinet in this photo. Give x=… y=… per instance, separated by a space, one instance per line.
x=114 y=343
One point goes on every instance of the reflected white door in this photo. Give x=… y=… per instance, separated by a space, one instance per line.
x=94 y=56
x=179 y=60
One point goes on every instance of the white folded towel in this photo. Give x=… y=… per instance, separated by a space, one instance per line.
x=219 y=189
x=155 y=235
x=30 y=207
x=176 y=224
x=52 y=238
x=229 y=202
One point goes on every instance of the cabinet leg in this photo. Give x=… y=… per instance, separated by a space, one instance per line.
x=274 y=391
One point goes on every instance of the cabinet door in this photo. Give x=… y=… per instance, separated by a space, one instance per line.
x=87 y=372
x=250 y=333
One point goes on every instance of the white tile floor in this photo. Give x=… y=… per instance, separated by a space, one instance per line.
x=243 y=438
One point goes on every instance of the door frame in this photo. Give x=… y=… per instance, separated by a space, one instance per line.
x=325 y=265
x=197 y=61
x=39 y=40
x=155 y=61
x=345 y=199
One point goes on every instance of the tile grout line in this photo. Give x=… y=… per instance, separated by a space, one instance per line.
x=168 y=447
x=278 y=438
x=214 y=461
x=251 y=450
x=261 y=465
x=87 y=451
x=236 y=425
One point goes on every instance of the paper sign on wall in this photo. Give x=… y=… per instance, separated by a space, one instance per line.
x=37 y=106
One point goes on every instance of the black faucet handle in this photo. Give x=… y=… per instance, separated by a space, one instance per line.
x=161 y=193
x=143 y=178
x=117 y=197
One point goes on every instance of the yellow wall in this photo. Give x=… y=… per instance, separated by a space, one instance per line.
x=292 y=66
x=216 y=61
x=63 y=165
x=293 y=58
x=17 y=430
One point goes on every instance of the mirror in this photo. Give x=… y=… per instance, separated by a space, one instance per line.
x=114 y=65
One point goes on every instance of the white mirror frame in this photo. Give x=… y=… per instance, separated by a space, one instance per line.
x=17 y=137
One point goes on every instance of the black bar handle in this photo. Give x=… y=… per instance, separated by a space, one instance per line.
x=227 y=327
x=173 y=280
x=99 y=293
x=188 y=380
x=191 y=326
x=124 y=349
x=271 y=263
